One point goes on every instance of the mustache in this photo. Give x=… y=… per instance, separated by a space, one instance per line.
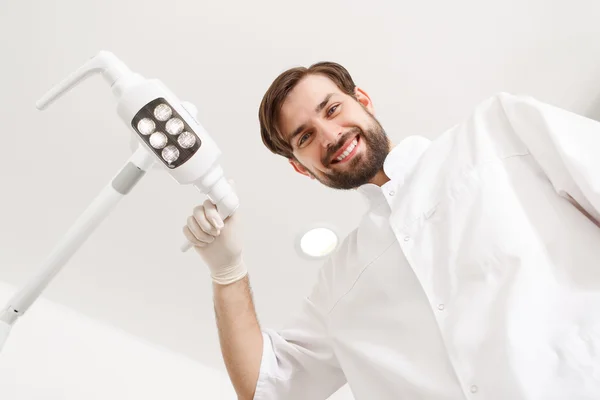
x=351 y=133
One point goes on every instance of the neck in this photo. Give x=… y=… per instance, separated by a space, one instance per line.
x=380 y=178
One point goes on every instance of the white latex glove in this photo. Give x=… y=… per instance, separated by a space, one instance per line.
x=218 y=242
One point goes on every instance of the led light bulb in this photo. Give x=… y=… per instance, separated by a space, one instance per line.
x=146 y=126
x=170 y=153
x=162 y=112
x=186 y=140
x=174 y=126
x=158 y=140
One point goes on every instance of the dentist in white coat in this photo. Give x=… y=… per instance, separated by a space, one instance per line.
x=475 y=274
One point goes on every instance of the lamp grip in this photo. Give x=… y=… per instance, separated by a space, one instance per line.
x=225 y=207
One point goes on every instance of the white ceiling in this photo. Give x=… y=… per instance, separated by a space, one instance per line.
x=425 y=64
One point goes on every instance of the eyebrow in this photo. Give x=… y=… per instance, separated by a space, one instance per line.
x=318 y=109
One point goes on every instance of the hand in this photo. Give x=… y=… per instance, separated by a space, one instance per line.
x=218 y=242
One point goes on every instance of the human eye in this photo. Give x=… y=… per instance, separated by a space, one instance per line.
x=332 y=109
x=304 y=138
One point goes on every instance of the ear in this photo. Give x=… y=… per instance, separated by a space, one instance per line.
x=364 y=99
x=300 y=168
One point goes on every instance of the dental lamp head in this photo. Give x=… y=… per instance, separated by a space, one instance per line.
x=162 y=124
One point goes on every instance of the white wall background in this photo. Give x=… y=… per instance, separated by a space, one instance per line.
x=55 y=353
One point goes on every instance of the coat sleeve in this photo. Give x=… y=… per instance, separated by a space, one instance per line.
x=566 y=146
x=298 y=361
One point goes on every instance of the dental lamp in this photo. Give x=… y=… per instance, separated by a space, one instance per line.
x=167 y=134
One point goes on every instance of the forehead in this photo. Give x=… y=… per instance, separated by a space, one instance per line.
x=301 y=101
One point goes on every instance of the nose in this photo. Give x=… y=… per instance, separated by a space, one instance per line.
x=329 y=133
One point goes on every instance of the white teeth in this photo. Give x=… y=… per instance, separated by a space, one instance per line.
x=348 y=150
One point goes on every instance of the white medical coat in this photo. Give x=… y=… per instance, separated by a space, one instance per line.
x=475 y=273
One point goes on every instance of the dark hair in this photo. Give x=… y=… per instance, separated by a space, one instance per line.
x=273 y=99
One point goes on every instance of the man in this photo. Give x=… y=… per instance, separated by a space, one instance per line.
x=475 y=273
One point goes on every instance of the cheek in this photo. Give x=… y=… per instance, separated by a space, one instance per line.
x=311 y=161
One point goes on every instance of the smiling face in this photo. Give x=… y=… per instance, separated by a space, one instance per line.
x=334 y=137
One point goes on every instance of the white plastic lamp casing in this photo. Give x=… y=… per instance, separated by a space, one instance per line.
x=4 y=331
x=195 y=162
x=134 y=93
x=317 y=241
x=140 y=93
x=203 y=169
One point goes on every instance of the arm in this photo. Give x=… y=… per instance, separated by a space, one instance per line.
x=298 y=360
x=294 y=363
x=239 y=334
x=565 y=145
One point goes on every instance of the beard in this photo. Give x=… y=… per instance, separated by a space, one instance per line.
x=363 y=166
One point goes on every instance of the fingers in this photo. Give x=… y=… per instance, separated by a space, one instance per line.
x=212 y=215
x=204 y=225
x=191 y=238
x=203 y=218
x=197 y=231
